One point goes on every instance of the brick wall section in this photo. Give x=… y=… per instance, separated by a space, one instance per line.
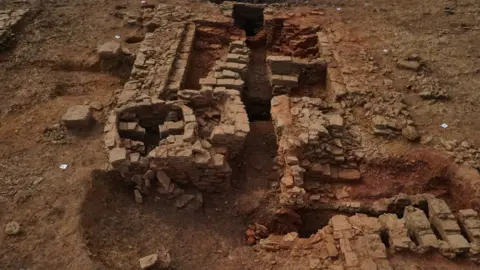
x=469 y=220
x=314 y=146
x=356 y=241
x=183 y=155
x=181 y=63
x=346 y=243
x=443 y=220
x=221 y=89
x=284 y=72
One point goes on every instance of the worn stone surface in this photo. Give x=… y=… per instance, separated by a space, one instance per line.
x=78 y=117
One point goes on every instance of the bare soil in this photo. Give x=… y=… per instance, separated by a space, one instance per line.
x=80 y=218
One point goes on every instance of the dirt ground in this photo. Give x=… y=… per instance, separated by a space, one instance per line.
x=78 y=218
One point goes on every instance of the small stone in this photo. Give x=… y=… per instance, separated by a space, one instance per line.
x=409 y=65
x=183 y=200
x=148 y=261
x=465 y=144
x=96 y=105
x=426 y=139
x=341 y=194
x=12 y=228
x=251 y=241
x=410 y=133
x=138 y=196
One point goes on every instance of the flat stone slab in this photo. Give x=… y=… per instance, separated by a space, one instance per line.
x=78 y=117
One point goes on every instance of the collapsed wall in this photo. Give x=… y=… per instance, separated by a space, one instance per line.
x=314 y=148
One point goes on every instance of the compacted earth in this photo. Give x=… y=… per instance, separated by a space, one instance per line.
x=63 y=207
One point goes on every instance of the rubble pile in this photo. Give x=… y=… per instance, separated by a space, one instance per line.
x=390 y=117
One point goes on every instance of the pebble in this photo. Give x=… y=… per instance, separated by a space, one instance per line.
x=12 y=228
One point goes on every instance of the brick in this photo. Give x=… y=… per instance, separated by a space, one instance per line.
x=349 y=175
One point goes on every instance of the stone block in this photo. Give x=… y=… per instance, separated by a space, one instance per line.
x=109 y=50
x=416 y=220
x=117 y=156
x=340 y=222
x=163 y=180
x=349 y=175
x=78 y=117
x=280 y=65
x=409 y=65
x=230 y=74
x=438 y=208
x=428 y=240
x=284 y=80
x=335 y=121
x=208 y=81
x=458 y=243
x=237 y=58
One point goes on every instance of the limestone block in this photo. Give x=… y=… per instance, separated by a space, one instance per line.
x=208 y=81
x=458 y=243
x=438 y=208
x=78 y=117
x=280 y=65
x=284 y=80
x=335 y=121
x=117 y=157
x=109 y=50
x=340 y=222
x=428 y=240
x=470 y=222
x=237 y=58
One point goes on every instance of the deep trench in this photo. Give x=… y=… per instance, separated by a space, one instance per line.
x=257 y=92
x=248 y=18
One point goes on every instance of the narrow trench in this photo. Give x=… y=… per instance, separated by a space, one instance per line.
x=257 y=93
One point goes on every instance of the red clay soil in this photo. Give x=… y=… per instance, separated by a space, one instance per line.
x=422 y=171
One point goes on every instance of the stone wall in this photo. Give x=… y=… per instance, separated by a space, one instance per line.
x=314 y=146
x=180 y=151
x=359 y=240
x=286 y=73
x=220 y=91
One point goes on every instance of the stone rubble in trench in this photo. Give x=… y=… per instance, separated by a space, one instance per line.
x=198 y=131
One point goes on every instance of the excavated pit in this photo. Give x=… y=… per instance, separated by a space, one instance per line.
x=253 y=176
